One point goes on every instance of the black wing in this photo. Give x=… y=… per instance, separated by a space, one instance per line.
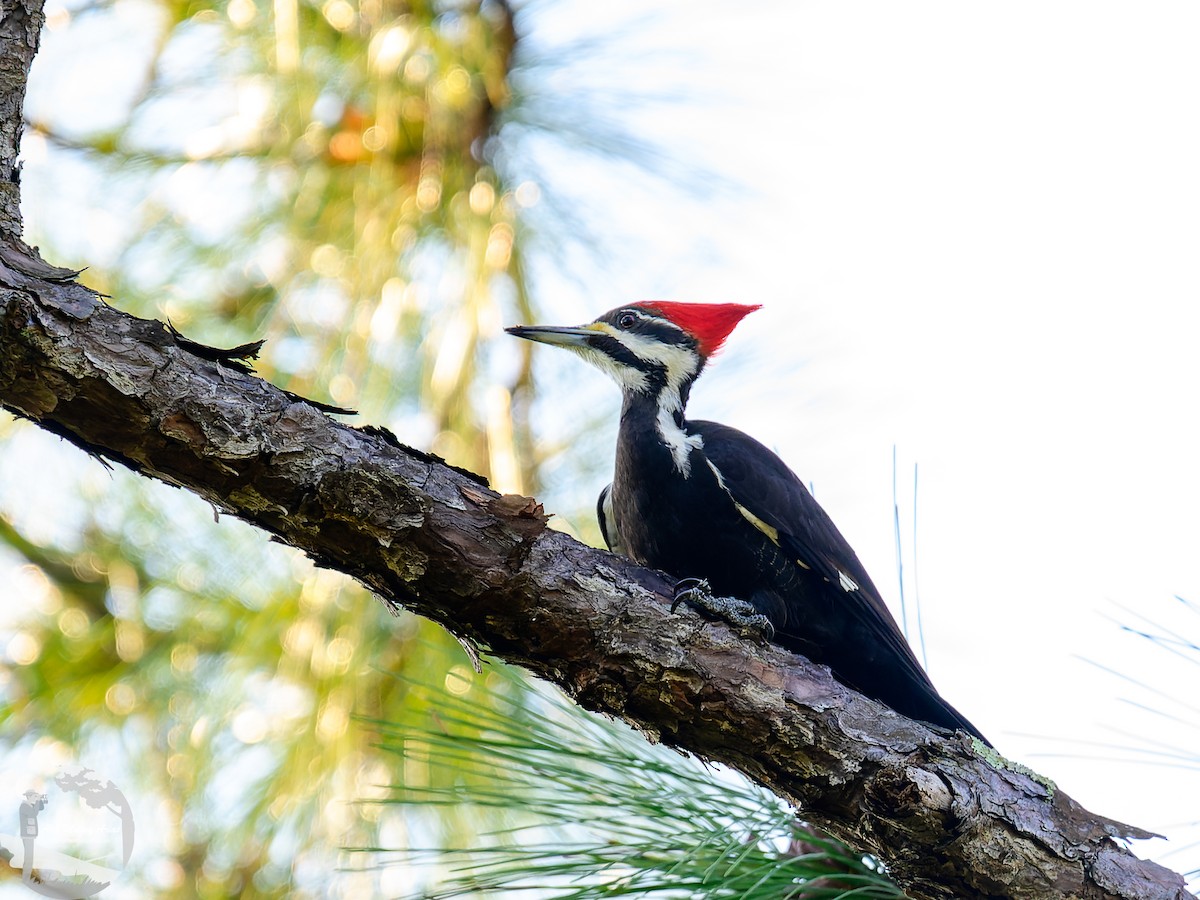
x=760 y=482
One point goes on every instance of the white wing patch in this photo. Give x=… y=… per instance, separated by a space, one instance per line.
x=845 y=582
x=720 y=478
x=769 y=530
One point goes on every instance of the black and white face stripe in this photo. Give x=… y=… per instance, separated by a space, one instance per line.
x=649 y=354
x=632 y=320
x=656 y=348
x=631 y=372
x=646 y=354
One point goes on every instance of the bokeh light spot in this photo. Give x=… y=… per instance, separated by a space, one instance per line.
x=458 y=681
x=499 y=246
x=339 y=14
x=375 y=138
x=340 y=651
x=429 y=194
x=388 y=48
x=241 y=12
x=332 y=721
x=528 y=194
x=131 y=643
x=482 y=198
x=249 y=725
x=24 y=649
x=73 y=623
x=342 y=388
x=184 y=658
x=326 y=260
x=120 y=699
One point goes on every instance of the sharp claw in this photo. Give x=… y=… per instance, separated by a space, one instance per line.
x=685 y=588
x=741 y=614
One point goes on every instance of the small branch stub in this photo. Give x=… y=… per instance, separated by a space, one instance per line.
x=949 y=820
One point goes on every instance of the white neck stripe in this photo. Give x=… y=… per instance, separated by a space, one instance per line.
x=680 y=443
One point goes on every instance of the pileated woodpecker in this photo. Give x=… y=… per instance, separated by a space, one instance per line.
x=711 y=505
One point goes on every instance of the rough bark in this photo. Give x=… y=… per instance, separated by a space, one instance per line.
x=20 y=29
x=948 y=820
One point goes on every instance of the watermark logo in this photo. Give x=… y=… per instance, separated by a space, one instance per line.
x=74 y=835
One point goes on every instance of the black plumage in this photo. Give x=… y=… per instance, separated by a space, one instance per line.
x=799 y=579
x=702 y=500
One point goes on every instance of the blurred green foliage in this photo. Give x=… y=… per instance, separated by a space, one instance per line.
x=323 y=175
x=343 y=179
x=590 y=809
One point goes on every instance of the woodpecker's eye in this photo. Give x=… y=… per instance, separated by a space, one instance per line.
x=626 y=320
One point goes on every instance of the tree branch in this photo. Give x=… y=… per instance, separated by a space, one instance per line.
x=948 y=822
x=20 y=28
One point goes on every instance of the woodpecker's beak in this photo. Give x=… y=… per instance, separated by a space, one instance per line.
x=554 y=334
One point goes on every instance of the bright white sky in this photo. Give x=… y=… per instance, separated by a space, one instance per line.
x=974 y=229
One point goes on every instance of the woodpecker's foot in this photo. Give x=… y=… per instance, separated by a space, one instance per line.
x=741 y=614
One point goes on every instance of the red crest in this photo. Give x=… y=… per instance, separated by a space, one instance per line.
x=709 y=323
